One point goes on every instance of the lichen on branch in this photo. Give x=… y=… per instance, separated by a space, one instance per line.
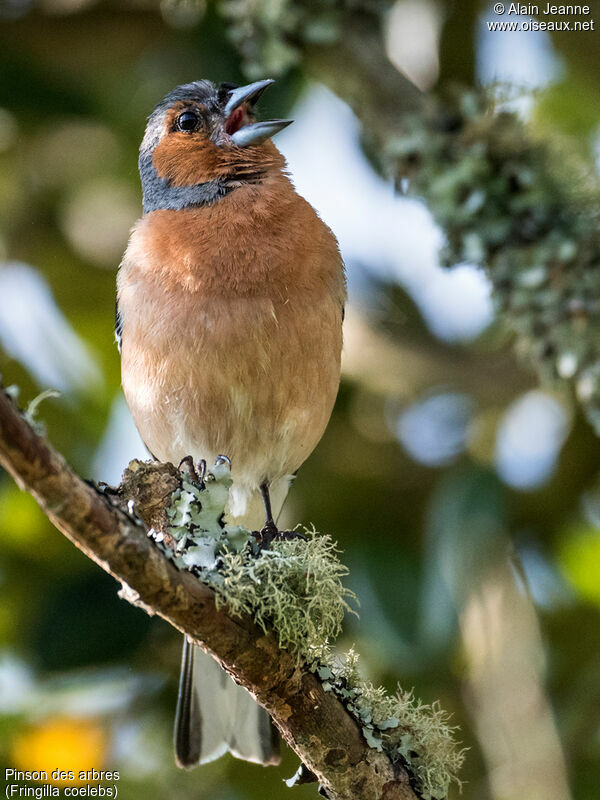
x=295 y=589
x=416 y=735
x=527 y=210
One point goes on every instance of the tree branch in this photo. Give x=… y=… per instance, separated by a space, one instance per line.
x=313 y=722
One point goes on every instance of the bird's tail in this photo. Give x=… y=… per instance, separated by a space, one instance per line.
x=215 y=715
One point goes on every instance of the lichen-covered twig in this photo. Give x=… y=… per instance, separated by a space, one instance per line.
x=313 y=721
x=293 y=588
x=527 y=210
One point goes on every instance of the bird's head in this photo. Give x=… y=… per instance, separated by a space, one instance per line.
x=202 y=141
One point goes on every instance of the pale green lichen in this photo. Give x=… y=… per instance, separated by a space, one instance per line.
x=195 y=513
x=409 y=732
x=295 y=588
x=528 y=211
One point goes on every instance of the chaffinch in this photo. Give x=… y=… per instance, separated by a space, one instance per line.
x=230 y=302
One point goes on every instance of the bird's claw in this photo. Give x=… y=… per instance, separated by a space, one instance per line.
x=195 y=472
x=221 y=459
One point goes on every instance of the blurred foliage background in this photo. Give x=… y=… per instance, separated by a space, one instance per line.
x=465 y=497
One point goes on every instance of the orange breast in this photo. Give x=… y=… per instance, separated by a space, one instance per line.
x=232 y=330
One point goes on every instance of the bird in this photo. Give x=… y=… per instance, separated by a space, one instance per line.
x=230 y=303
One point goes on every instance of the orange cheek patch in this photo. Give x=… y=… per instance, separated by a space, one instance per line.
x=184 y=159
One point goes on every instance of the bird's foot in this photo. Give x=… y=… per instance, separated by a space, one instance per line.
x=194 y=471
x=267 y=535
x=271 y=532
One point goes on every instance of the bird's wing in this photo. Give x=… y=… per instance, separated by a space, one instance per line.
x=118 y=325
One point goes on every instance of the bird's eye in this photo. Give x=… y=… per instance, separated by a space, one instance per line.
x=187 y=121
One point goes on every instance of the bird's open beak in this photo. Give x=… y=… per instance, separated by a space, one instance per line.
x=256 y=132
x=259 y=131
x=246 y=94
